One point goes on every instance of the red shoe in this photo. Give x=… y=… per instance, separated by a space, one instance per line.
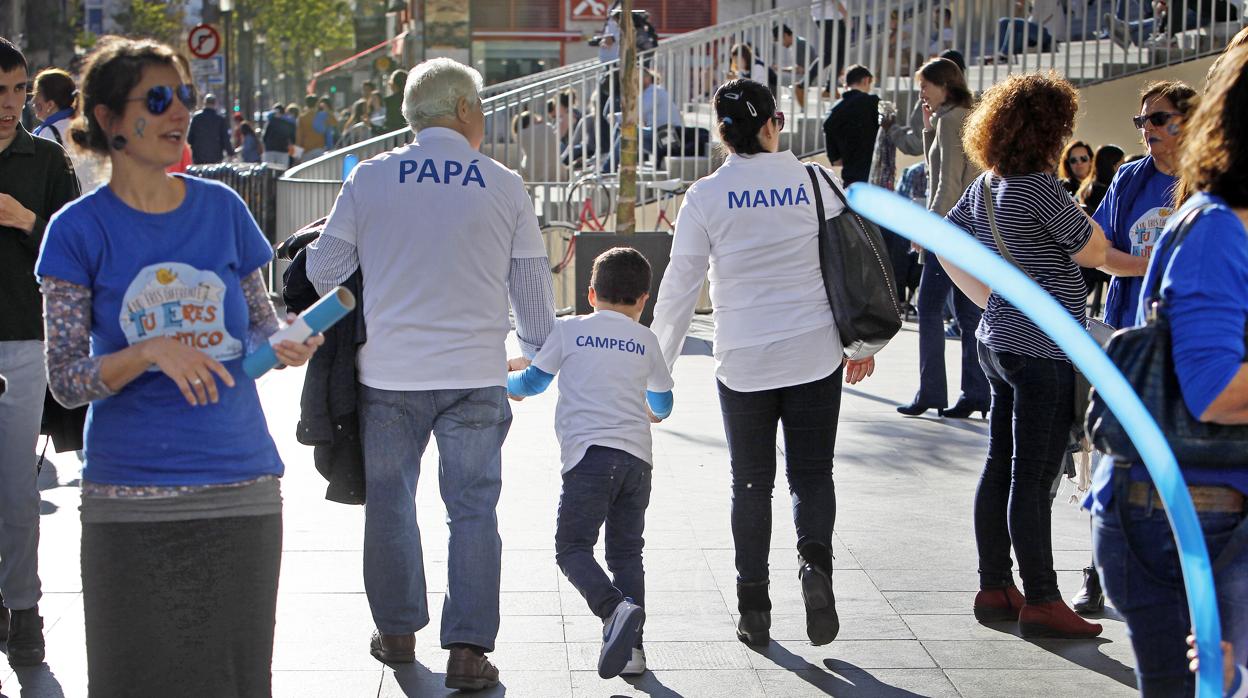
x=1055 y=619
x=998 y=605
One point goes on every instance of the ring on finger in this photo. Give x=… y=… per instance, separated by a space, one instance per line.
x=196 y=381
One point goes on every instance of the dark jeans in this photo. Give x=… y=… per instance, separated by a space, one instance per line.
x=934 y=287
x=1028 y=427
x=1139 y=564
x=181 y=608
x=808 y=413
x=1018 y=34
x=612 y=486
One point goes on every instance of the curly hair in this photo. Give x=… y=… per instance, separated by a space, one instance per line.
x=1063 y=162
x=1214 y=147
x=1020 y=124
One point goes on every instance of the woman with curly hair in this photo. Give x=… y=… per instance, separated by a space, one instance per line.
x=1074 y=167
x=946 y=102
x=1016 y=134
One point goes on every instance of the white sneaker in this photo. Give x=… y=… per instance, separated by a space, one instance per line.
x=636 y=665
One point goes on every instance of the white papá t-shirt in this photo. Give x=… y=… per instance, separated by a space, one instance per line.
x=752 y=224
x=436 y=225
x=605 y=362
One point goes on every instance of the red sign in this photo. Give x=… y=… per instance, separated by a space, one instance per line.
x=589 y=9
x=204 y=41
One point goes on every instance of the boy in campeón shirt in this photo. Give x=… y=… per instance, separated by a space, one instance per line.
x=614 y=384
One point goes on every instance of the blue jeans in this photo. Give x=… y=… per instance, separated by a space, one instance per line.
x=1139 y=565
x=934 y=287
x=808 y=413
x=1028 y=427
x=613 y=487
x=1018 y=34
x=469 y=425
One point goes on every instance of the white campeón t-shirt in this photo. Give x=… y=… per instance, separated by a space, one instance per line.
x=752 y=223
x=436 y=225
x=606 y=362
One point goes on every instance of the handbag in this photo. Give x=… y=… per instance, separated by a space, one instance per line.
x=857 y=276
x=1144 y=355
x=1100 y=331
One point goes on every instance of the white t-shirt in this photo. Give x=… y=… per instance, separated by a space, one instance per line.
x=752 y=224
x=436 y=225
x=606 y=362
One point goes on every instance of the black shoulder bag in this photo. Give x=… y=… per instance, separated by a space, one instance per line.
x=857 y=276
x=1145 y=356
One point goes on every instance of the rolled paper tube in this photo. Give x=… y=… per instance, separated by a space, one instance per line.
x=331 y=308
x=954 y=246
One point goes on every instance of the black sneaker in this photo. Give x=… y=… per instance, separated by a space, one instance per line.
x=26 y=646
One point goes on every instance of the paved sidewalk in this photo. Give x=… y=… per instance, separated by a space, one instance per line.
x=905 y=570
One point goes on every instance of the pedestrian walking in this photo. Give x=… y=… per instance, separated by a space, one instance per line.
x=850 y=127
x=54 y=94
x=435 y=363
x=154 y=295
x=36 y=179
x=278 y=137
x=1018 y=208
x=209 y=135
x=778 y=354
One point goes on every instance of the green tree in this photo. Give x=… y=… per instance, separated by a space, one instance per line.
x=294 y=29
x=159 y=19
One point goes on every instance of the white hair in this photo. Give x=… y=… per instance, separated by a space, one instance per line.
x=434 y=89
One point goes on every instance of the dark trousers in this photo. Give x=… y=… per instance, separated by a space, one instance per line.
x=934 y=287
x=181 y=608
x=808 y=413
x=613 y=487
x=1028 y=428
x=831 y=67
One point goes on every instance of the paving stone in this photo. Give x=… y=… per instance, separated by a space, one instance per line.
x=857 y=683
x=327 y=684
x=717 y=683
x=1051 y=683
x=843 y=654
x=791 y=627
x=663 y=656
x=414 y=681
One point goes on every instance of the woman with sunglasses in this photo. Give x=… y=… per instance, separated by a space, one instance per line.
x=1140 y=199
x=1074 y=167
x=153 y=295
x=778 y=356
x=946 y=104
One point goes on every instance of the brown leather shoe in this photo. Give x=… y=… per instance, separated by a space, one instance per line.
x=469 y=670
x=1055 y=619
x=998 y=605
x=393 y=649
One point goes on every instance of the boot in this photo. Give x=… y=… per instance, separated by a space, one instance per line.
x=393 y=649
x=998 y=605
x=1054 y=619
x=822 y=622
x=1090 y=600
x=468 y=669
x=754 y=603
x=26 y=638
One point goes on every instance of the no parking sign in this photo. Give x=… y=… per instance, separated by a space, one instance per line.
x=204 y=41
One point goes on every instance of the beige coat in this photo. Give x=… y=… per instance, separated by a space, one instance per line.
x=949 y=171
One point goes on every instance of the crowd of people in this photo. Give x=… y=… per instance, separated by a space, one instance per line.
x=107 y=307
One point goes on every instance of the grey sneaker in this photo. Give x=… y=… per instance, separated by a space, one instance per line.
x=637 y=665
x=620 y=633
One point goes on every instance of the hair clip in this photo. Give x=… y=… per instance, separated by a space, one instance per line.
x=734 y=96
x=750 y=105
x=727 y=120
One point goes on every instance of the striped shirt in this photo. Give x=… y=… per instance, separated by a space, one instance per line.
x=1042 y=227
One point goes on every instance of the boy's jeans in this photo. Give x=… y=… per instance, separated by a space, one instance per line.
x=611 y=486
x=469 y=425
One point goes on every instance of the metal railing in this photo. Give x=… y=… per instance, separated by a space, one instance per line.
x=561 y=127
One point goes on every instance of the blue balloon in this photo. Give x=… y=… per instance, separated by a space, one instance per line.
x=348 y=163
x=954 y=245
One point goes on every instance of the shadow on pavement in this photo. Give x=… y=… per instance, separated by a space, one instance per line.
x=1087 y=654
x=418 y=680
x=649 y=684
x=835 y=677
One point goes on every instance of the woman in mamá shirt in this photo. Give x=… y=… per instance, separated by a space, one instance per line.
x=153 y=296
x=1141 y=197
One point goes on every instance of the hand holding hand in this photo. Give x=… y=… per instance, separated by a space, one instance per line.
x=190 y=369
x=15 y=215
x=855 y=371
x=519 y=363
x=650 y=414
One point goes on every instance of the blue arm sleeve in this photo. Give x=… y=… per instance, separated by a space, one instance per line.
x=660 y=403
x=530 y=381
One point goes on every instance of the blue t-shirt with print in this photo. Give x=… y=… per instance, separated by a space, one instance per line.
x=175 y=274
x=1135 y=233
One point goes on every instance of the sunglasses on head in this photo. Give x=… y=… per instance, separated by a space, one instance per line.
x=778 y=117
x=1077 y=159
x=160 y=98
x=1157 y=118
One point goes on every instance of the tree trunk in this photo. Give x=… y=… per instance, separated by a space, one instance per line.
x=626 y=203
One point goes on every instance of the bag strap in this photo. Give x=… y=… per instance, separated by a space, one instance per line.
x=832 y=185
x=814 y=183
x=986 y=182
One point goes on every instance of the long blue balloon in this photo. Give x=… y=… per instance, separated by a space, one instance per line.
x=952 y=243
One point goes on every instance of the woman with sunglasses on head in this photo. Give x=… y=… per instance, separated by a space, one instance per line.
x=153 y=294
x=1140 y=198
x=1074 y=166
x=946 y=103
x=778 y=355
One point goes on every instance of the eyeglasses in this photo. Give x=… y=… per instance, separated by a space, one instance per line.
x=160 y=98
x=1077 y=159
x=1157 y=118
x=778 y=117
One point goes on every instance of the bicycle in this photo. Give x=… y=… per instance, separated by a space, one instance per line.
x=586 y=195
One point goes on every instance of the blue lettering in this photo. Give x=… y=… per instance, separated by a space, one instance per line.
x=472 y=174
x=173 y=313
x=580 y=340
x=428 y=169
x=778 y=199
x=450 y=169
x=641 y=349
x=743 y=202
x=137 y=318
x=801 y=195
x=760 y=198
x=406 y=167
